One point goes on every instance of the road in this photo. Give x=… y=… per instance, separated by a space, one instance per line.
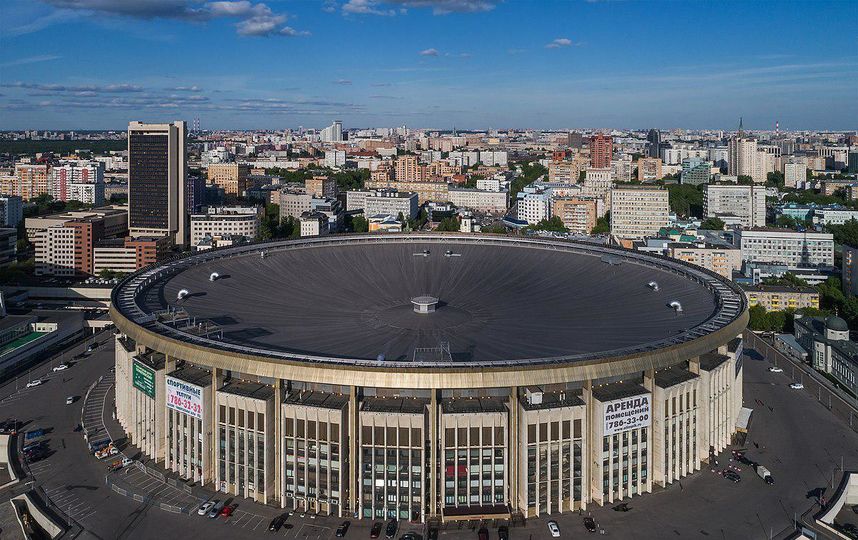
x=792 y=433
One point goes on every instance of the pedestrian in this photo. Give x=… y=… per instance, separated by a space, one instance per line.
x=680 y=487
x=756 y=445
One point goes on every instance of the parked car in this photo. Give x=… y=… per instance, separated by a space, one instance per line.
x=215 y=510
x=776 y=369
x=205 y=507
x=483 y=534
x=390 y=529
x=433 y=533
x=342 y=529
x=554 y=529
x=69 y=400
x=227 y=511
x=61 y=367
x=408 y=536
x=35 y=434
x=732 y=476
x=590 y=524
x=503 y=533
x=796 y=386
x=36 y=382
x=276 y=523
x=375 y=531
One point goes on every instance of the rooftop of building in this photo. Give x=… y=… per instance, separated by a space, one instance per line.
x=251 y=390
x=779 y=289
x=473 y=405
x=712 y=360
x=394 y=405
x=618 y=390
x=310 y=398
x=665 y=378
x=192 y=375
x=551 y=400
x=486 y=287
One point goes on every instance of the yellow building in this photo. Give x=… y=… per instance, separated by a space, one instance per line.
x=780 y=297
x=232 y=177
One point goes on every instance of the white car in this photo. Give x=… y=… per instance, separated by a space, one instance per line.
x=796 y=386
x=776 y=369
x=205 y=507
x=37 y=382
x=554 y=529
x=61 y=367
x=69 y=400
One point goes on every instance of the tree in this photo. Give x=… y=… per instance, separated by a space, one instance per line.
x=845 y=234
x=554 y=224
x=712 y=224
x=530 y=172
x=775 y=179
x=603 y=225
x=360 y=224
x=789 y=279
x=685 y=200
x=785 y=221
x=744 y=180
x=450 y=224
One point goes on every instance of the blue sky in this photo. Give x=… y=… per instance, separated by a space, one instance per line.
x=96 y=64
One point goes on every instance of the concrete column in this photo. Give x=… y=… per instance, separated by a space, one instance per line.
x=514 y=452
x=353 y=463
x=433 y=455
x=278 y=460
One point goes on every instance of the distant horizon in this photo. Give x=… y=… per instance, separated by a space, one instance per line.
x=252 y=64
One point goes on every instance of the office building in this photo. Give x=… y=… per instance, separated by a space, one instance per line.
x=781 y=297
x=232 y=177
x=313 y=224
x=129 y=254
x=293 y=202
x=157 y=180
x=534 y=207
x=321 y=186
x=8 y=248
x=638 y=211
x=567 y=172
x=479 y=200
x=601 y=151
x=695 y=171
x=577 y=214
x=653 y=138
x=649 y=169
x=723 y=260
x=226 y=221
x=794 y=249
x=11 y=210
x=829 y=348
x=426 y=191
x=746 y=203
x=335 y=158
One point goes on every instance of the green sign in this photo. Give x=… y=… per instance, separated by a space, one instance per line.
x=144 y=379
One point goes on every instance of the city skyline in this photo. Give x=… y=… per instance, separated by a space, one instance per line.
x=425 y=63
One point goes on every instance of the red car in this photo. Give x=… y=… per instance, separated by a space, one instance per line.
x=228 y=510
x=376 y=530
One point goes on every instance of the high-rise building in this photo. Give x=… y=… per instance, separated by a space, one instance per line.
x=232 y=177
x=157 y=180
x=195 y=193
x=332 y=133
x=638 y=211
x=409 y=170
x=653 y=138
x=32 y=180
x=601 y=149
x=575 y=140
x=744 y=159
x=78 y=181
x=795 y=173
x=744 y=204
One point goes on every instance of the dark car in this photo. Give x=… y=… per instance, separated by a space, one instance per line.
x=376 y=530
x=483 y=534
x=732 y=476
x=342 y=529
x=503 y=532
x=276 y=523
x=590 y=524
x=408 y=536
x=433 y=534
x=390 y=529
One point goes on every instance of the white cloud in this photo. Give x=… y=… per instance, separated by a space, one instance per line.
x=559 y=42
x=429 y=52
x=438 y=7
x=30 y=60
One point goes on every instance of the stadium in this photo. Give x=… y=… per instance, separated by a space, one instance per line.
x=428 y=376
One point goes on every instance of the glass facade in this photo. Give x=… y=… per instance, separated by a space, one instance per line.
x=241 y=451
x=149 y=186
x=392 y=472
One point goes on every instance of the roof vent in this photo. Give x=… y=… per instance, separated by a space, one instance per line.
x=214 y=276
x=677 y=307
x=652 y=285
x=424 y=304
x=182 y=294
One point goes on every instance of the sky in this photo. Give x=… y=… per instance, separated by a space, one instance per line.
x=472 y=64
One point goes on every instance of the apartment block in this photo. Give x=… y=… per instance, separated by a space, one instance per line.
x=479 y=200
x=321 y=186
x=722 y=260
x=746 y=203
x=577 y=214
x=232 y=177
x=129 y=254
x=649 y=169
x=228 y=221
x=779 y=298
x=795 y=249
x=638 y=211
